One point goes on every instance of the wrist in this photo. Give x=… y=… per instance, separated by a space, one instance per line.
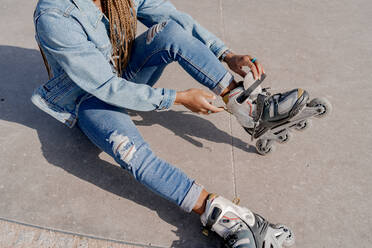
x=229 y=56
x=180 y=96
x=229 y=88
x=226 y=56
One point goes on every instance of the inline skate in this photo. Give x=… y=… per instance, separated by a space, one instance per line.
x=270 y=118
x=241 y=228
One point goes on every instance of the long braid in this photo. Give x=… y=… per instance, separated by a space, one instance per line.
x=123 y=25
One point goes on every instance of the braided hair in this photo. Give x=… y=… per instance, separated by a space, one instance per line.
x=123 y=25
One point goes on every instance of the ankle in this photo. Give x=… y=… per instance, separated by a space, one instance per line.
x=229 y=88
x=199 y=207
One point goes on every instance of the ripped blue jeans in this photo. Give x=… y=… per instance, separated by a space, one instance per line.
x=112 y=130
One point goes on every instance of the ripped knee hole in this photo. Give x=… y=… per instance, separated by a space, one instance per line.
x=122 y=146
x=151 y=33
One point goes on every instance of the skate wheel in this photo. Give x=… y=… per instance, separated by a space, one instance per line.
x=303 y=125
x=264 y=147
x=323 y=105
x=284 y=137
x=290 y=239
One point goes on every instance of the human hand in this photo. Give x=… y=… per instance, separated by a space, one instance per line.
x=197 y=101
x=236 y=63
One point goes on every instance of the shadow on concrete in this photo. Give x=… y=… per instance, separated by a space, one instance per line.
x=22 y=70
x=175 y=121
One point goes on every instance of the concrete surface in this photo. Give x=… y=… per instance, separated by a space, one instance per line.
x=16 y=235
x=319 y=183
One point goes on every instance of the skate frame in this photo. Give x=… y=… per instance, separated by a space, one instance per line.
x=275 y=133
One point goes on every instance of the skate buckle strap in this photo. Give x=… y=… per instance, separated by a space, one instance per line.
x=260 y=104
x=253 y=131
x=243 y=96
x=212 y=218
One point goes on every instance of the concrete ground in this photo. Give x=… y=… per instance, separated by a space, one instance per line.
x=17 y=235
x=319 y=183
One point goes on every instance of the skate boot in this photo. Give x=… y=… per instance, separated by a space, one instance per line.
x=241 y=228
x=269 y=118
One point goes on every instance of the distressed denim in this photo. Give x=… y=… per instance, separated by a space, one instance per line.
x=112 y=130
x=75 y=40
x=86 y=89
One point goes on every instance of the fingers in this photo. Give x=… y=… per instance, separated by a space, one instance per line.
x=256 y=67
x=254 y=70
x=259 y=68
x=208 y=107
x=213 y=109
x=247 y=62
x=207 y=112
x=199 y=101
x=241 y=72
x=237 y=62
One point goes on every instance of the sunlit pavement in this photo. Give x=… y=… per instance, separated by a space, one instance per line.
x=318 y=183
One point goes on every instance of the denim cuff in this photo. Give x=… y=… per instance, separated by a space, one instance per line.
x=221 y=51
x=218 y=48
x=224 y=82
x=191 y=197
x=168 y=99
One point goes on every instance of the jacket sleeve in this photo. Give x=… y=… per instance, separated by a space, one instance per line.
x=151 y=12
x=66 y=41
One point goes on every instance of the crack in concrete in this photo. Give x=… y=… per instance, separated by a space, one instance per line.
x=23 y=228
x=222 y=20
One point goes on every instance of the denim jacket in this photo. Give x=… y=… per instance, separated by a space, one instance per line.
x=76 y=45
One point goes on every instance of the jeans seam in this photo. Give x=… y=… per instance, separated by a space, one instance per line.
x=148 y=58
x=185 y=58
x=77 y=107
x=199 y=69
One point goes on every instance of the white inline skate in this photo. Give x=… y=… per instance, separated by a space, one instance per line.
x=269 y=118
x=241 y=228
